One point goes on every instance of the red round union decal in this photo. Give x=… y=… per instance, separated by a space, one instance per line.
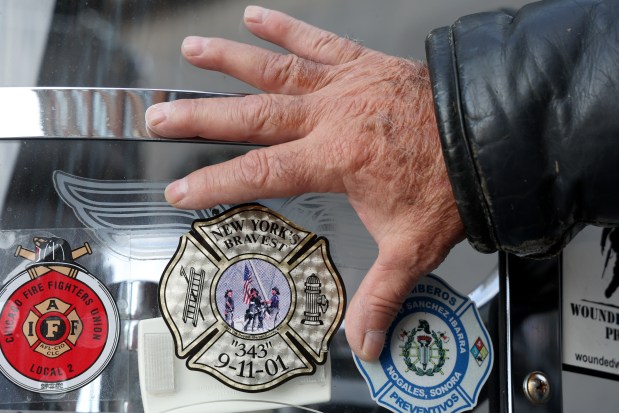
x=57 y=331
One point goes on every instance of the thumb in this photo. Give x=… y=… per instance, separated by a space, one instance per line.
x=379 y=298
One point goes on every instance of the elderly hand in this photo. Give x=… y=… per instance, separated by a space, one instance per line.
x=339 y=118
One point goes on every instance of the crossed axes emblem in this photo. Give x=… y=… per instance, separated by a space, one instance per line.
x=50 y=251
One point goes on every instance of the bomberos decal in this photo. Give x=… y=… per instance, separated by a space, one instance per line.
x=437 y=354
x=59 y=325
x=251 y=298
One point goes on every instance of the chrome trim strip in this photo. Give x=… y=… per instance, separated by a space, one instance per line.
x=82 y=112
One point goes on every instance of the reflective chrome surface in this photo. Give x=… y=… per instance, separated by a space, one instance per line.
x=75 y=113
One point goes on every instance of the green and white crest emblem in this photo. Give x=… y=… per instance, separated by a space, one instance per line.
x=423 y=350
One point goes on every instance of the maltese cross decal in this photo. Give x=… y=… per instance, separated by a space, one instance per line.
x=251 y=298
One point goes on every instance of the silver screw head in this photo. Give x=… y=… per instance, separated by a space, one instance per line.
x=537 y=387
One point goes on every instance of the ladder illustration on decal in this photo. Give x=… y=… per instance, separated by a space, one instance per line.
x=195 y=282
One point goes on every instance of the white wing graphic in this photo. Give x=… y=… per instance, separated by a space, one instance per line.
x=133 y=219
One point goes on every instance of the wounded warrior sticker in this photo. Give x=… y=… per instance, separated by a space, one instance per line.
x=437 y=354
x=251 y=298
x=590 y=301
x=59 y=326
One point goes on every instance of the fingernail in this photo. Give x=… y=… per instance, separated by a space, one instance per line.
x=373 y=343
x=176 y=191
x=255 y=14
x=194 y=45
x=157 y=114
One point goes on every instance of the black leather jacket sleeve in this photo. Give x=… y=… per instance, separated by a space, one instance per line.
x=527 y=107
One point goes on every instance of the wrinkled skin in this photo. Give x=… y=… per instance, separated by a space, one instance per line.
x=339 y=118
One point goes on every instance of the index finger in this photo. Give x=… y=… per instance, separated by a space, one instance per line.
x=287 y=169
x=263 y=119
x=301 y=38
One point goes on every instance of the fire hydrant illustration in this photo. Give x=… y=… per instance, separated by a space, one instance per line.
x=315 y=302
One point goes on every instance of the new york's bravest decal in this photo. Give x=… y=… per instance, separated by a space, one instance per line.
x=251 y=298
x=437 y=355
x=59 y=326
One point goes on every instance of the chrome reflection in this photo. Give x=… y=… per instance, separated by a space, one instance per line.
x=81 y=112
x=487 y=290
x=21 y=112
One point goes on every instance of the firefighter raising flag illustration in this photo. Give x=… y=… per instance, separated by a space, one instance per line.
x=59 y=325
x=246 y=284
x=290 y=298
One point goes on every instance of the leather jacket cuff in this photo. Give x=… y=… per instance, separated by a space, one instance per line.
x=460 y=163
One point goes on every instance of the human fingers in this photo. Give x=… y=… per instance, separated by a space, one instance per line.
x=301 y=38
x=264 y=119
x=272 y=172
x=261 y=68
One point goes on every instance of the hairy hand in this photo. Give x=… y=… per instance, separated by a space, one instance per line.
x=339 y=118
